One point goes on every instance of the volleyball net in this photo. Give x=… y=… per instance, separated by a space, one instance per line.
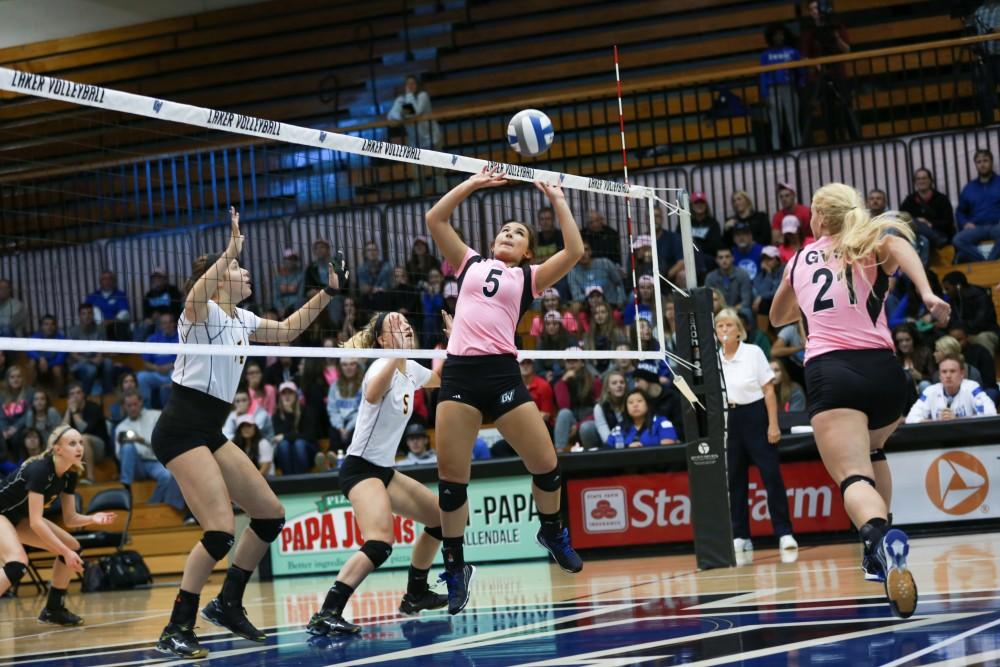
x=104 y=190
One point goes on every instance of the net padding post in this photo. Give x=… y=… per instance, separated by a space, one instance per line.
x=705 y=431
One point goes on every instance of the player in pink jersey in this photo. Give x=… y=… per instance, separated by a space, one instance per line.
x=855 y=389
x=481 y=376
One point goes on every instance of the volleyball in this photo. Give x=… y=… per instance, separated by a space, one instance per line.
x=530 y=132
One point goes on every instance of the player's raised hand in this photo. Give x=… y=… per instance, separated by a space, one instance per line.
x=488 y=178
x=553 y=191
x=235 y=237
x=447 y=319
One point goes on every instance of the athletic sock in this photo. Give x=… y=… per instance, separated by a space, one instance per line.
x=551 y=524
x=234 y=585
x=453 y=549
x=185 y=608
x=337 y=597
x=416 y=584
x=57 y=598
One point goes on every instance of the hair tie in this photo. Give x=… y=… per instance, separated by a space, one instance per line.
x=379 y=322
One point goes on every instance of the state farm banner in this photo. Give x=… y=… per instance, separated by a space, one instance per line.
x=656 y=508
x=320 y=533
x=937 y=485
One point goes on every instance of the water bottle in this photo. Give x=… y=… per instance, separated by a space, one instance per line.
x=617 y=440
x=340 y=458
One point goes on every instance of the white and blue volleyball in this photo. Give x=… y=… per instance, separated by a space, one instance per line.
x=530 y=132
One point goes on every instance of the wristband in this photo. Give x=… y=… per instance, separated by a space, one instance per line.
x=330 y=291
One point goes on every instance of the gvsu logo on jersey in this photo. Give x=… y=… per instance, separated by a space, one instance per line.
x=605 y=510
x=957 y=483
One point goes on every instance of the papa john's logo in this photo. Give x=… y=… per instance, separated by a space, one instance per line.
x=605 y=510
x=957 y=482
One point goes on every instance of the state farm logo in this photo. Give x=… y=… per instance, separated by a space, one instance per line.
x=605 y=510
x=957 y=483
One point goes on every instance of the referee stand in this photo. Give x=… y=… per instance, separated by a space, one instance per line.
x=705 y=431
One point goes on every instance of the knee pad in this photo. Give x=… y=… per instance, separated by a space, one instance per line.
x=267 y=529
x=217 y=543
x=434 y=532
x=377 y=551
x=851 y=479
x=15 y=571
x=550 y=481
x=878 y=455
x=452 y=495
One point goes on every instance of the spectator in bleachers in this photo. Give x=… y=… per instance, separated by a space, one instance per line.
x=95 y=370
x=412 y=105
x=548 y=239
x=552 y=337
x=669 y=323
x=262 y=395
x=288 y=284
x=13 y=314
x=541 y=392
x=126 y=382
x=642 y=248
x=604 y=334
x=766 y=282
x=953 y=397
x=877 y=202
x=294 y=439
x=947 y=347
x=604 y=240
x=718 y=300
x=906 y=304
x=576 y=392
x=754 y=335
x=41 y=416
x=282 y=369
x=258 y=449
x=793 y=238
x=664 y=400
x=609 y=411
x=788 y=204
x=732 y=281
x=49 y=367
x=432 y=303
x=914 y=356
x=402 y=297
x=418 y=446
x=135 y=454
x=421 y=261
x=552 y=302
x=374 y=276
x=978 y=212
x=971 y=305
x=87 y=417
x=111 y=307
x=624 y=366
x=780 y=89
x=13 y=455
x=592 y=271
x=746 y=251
x=744 y=212
x=830 y=88
x=978 y=356
x=986 y=75
x=933 y=217
x=16 y=401
x=241 y=407
x=155 y=379
x=316 y=278
x=642 y=427
x=352 y=320
x=669 y=249
x=706 y=233
x=790 y=349
x=343 y=402
x=646 y=301
x=789 y=394
x=162 y=297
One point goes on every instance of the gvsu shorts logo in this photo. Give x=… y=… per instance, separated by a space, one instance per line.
x=605 y=510
x=957 y=483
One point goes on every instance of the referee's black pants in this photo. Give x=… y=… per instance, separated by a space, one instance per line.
x=748 y=445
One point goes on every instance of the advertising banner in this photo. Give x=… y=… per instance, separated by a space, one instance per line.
x=656 y=508
x=320 y=533
x=937 y=485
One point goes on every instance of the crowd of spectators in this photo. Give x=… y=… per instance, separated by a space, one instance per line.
x=286 y=406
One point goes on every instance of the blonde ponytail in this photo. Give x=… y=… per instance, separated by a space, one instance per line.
x=364 y=339
x=856 y=234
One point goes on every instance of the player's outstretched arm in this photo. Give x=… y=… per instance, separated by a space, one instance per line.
x=271 y=331
x=452 y=247
x=196 y=303
x=554 y=268
x=896 y=252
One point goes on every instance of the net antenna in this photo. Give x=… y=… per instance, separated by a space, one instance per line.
x=678 y=380
x=108 y=99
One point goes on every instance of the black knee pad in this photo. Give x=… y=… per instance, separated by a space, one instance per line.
x=267 y=529
x=434 y=532
x=550 y=481
x=851 y=479
x=377 y=551
x=15 y=571
x=217 y=543
x=452 y=495
x=878 y=455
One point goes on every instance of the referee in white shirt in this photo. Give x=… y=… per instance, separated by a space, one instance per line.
x=753 y=431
